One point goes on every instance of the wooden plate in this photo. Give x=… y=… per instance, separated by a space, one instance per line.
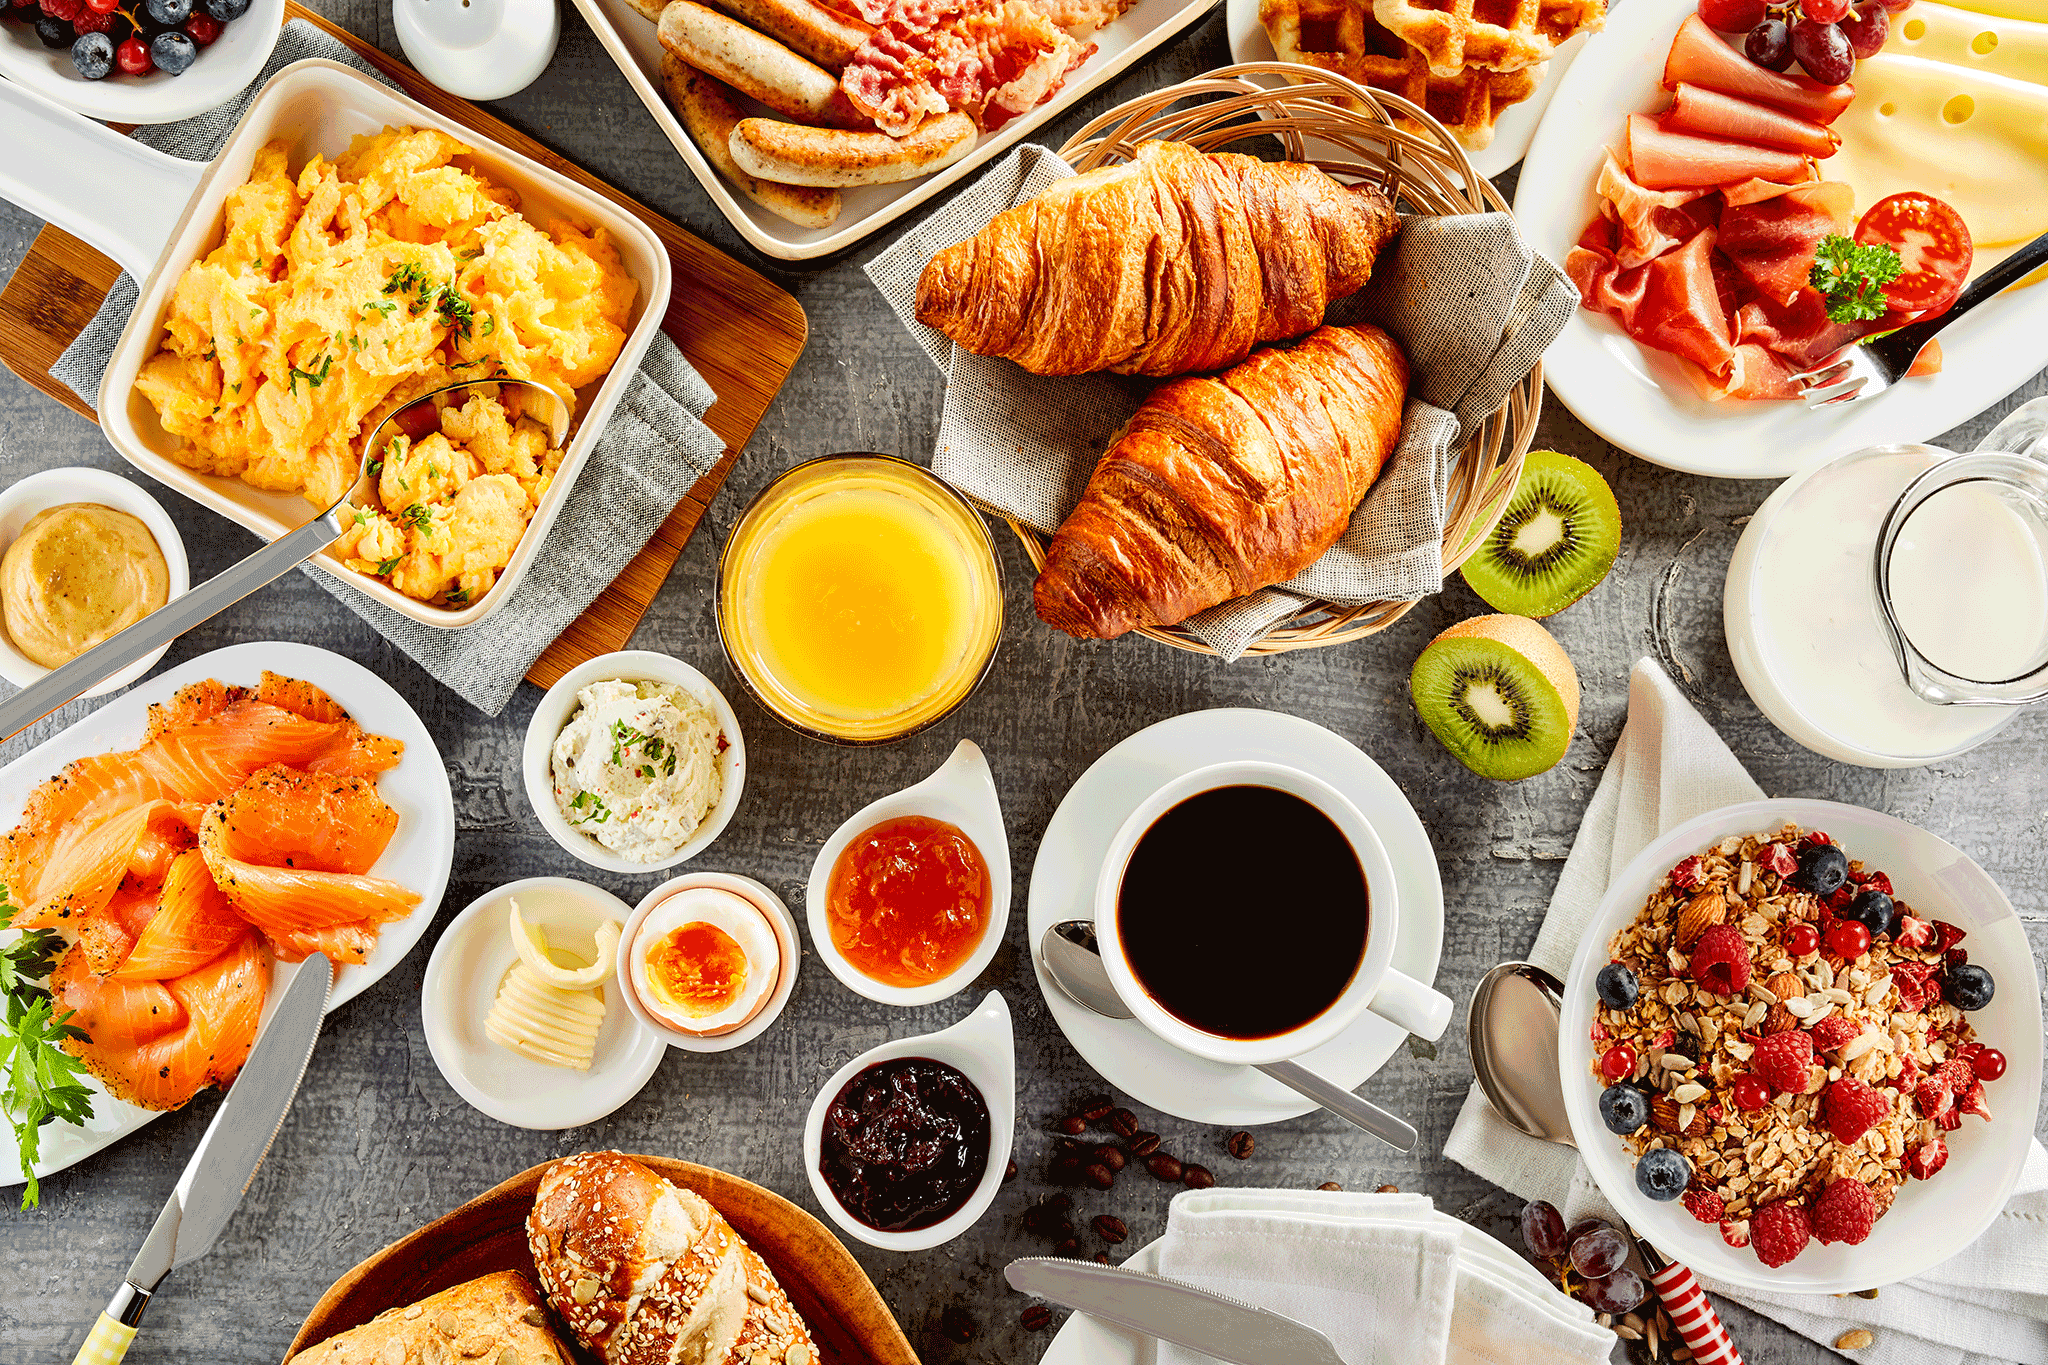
x=848 y=1320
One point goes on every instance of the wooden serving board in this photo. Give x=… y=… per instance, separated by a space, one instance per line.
x=848 y=1320
x=741 y=332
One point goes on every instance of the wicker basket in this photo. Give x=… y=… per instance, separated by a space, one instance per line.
x=1418 y=164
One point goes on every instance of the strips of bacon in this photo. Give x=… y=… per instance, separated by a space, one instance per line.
x=992 y=59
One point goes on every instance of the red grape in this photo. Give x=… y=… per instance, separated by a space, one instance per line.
x=1824 y=51
x=1769 y=45
x=1866 y=29
x=1599 y=1253
x=1618 y=1293
x=1824 y=11
x=1751 y=1092
x=1989 y=1064
x=1543 y=1229
x=203 y=27
x=1732 y=16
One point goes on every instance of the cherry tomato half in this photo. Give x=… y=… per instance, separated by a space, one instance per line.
x=1933 y=243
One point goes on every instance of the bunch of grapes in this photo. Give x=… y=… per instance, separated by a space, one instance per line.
x=1826 y=37
x=1587 y=1260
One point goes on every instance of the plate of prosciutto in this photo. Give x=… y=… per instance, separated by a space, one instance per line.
x=1732 y=221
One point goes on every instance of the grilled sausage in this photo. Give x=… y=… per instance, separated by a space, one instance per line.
x=727 y=50
x=773 y=150
x=826 y=37
x=707 y=112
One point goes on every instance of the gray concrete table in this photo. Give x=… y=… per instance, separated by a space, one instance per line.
x=378 y=1143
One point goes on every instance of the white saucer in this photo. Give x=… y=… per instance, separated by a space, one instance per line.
x=1127 y=1054
x=470 y=961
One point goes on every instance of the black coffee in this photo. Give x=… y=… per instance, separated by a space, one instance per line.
x=1243 y=912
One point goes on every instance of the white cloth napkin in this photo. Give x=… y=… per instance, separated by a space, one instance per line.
x=1987 y=1303
x=1384 y=1276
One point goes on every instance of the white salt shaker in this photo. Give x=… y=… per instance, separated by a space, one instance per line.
x=478 y=49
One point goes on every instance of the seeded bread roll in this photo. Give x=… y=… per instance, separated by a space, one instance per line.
x=645 y=1272
x=497 y=1320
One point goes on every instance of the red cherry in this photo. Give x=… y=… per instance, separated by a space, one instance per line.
x=1618 y=1061
x=203 y=27
x=1988 y=1063
x=1751 y=1092
x=133 y=57
x=1848 y=939
x=1801 y=939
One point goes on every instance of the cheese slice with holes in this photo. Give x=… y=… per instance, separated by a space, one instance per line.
x=1970 y=42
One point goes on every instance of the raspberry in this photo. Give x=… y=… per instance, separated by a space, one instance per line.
x=1735 y=1231
x=1971 y=1101
x=1950 y=1121
x=1779 y=1232
x=1780 y=858
x=91 y=20
x=1845 y=1212
x=1955 y=1074
x=1878 y=880
x=1720 y=961
x=1955 y=957
x=1950 y=935
x=1599 y=1032
x=1933 y=1097
x=1782 y=1059
x=1913 y=933
x=62 y=9
x=1930 y=1156
x=1848 y=1108
x=1687 y=873
x=1833 y=1031
x=1704 y=1205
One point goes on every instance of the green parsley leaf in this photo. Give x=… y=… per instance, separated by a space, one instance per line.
x=385 y=566
x=591 y=810
x=314 y=378
x=1851 y=276
x=39 y=1082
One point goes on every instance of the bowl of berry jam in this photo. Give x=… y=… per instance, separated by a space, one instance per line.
x=137 y=61
x=906 y=1144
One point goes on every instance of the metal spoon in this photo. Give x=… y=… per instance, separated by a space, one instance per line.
x=1074 y=963
x=1511 y=1031
x=223 y=590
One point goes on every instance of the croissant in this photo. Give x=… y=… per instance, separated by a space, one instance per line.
x=1225 y=484
x=1173 y=263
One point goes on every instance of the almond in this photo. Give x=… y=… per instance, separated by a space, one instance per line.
x=1700 y=914
x=1782 y=987
x=1667 y=1114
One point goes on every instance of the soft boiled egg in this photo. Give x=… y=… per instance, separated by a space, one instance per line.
x=705 y=961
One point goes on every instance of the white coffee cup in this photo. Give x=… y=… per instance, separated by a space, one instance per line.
x=1374 y=986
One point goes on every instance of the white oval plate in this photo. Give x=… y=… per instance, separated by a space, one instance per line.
x=470 y=961
x=1931 y=1220
x=418 y=856
x=1126 y=1053
x=1637 y=398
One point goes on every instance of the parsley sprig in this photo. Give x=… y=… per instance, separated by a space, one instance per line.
x=39 y=1082
x=590 y=808
x=1852 y=275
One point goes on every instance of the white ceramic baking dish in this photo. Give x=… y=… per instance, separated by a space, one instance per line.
x=156 y=214
x=629 y=38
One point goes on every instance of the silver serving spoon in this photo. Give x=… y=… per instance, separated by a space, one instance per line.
x=223 y=590
x=1074 y=963
x=1511 y=1032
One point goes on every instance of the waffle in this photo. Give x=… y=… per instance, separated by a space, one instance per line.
x=1499 y=35
x=1343 y=36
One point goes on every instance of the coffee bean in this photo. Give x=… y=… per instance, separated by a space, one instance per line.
x=1197 y=1177
x=1124 y=1122
x=1100 y=1259
x=1066 y=1171
x=1009 y=1172
x=1058 y=1203
x=1036 y=1318
x=1100 y=1176
x=1163 y=1167
x=1109 y=1156
x=1332 y=1186
x=1110 y=1229
x=957 y=1325
x=1096 y=1108
x=1069 y=1248
x=1067 y=1146
x=1059 y=1229
x=1073 y=1127
x=1239 y=1145
x=1143 y=1144
x=1388 y=1189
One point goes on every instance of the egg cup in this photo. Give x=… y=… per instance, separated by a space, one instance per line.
x=779 y=920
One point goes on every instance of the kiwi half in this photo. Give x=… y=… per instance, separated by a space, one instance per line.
x=1554 y=543
x=1500 y=693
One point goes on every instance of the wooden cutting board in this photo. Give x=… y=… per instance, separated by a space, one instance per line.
x=847 y=1318
x=741 y=332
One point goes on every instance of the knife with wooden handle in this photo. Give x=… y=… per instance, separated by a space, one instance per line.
x=220 y=1171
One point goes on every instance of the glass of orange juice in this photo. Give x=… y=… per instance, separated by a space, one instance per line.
x=859 y=598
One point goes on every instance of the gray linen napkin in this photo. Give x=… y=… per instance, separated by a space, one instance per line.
x=1470 y=302
x=652 y=452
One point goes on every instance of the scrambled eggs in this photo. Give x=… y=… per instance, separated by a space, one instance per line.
x=340 y=295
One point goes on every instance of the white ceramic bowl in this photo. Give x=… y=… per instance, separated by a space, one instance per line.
x=220 y=73
x=552 y=715
x=983 y=1048
x=1931 y=1220
x=53 y=487
x=963 y=793
x=779 y=919
x=468 y=964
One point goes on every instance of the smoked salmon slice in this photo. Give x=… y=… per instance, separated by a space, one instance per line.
x=75 y=869
x=118 y=1016
x=191 y=924
x=215 y=1013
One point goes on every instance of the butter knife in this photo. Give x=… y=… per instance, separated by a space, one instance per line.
x=220 y=1170
x=1173 y=1311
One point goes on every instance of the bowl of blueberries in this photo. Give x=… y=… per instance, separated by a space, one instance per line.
x=137 y=61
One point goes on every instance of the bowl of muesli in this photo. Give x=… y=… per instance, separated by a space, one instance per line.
x=1801 y=1046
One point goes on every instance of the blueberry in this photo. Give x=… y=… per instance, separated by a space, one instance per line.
x=1822 y=869
x=1624 y=1109
x=227 y=11
x=1663 y=1174
x=1968 y=987
x=1617 y=986
x=1873 y=909
x=173 y=53
x=93 y=55
x=55 y=32
x=169 y=13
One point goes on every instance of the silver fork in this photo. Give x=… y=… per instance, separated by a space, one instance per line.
x=1872 y=367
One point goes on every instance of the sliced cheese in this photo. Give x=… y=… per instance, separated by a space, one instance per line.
x=2034 y=11
x=1971 y=42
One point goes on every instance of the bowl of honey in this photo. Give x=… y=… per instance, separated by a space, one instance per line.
x=859 y=598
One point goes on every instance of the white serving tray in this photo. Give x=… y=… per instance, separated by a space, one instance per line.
x=630 y=40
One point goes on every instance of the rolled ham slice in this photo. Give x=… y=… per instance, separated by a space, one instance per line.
x=1699 y=57
x=1709 y=113
x=1663 y=160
